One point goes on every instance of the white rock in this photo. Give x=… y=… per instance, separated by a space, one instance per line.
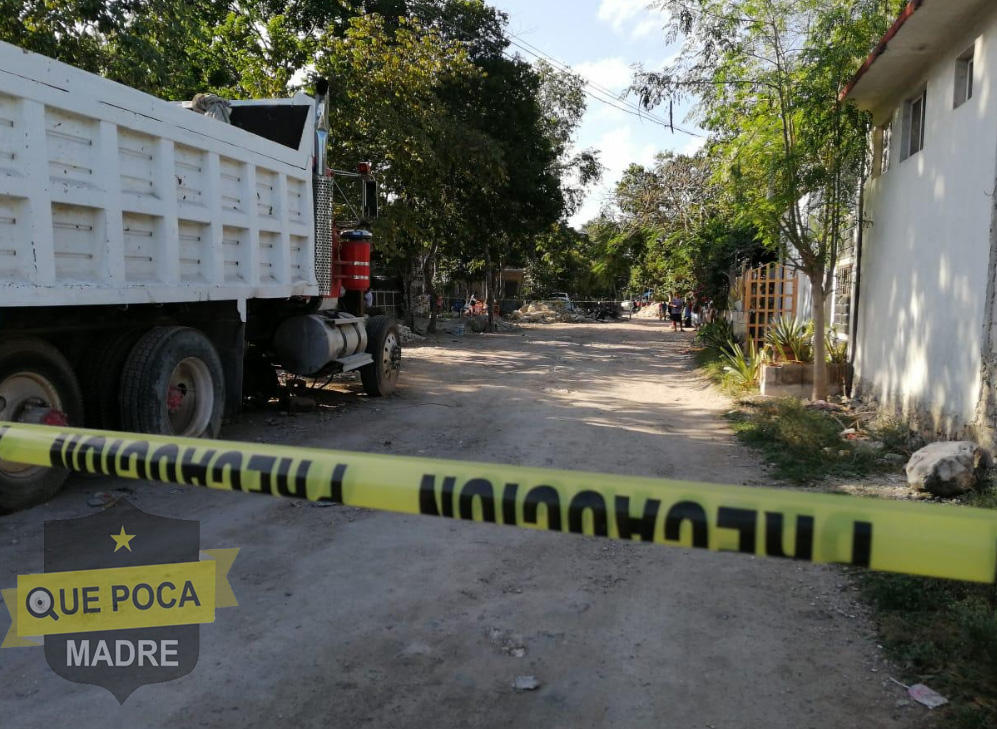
x=947 y=468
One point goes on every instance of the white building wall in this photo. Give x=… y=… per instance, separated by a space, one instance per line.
x=926 y=255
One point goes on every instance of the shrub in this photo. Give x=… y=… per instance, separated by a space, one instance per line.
x=803 y=445
x=718 y=336
x=837 y=349
x=792 y=340
x=743 y=369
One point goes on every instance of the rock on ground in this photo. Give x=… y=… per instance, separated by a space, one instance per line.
x=947 y=468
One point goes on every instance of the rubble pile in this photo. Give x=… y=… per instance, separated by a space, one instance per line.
x=548 y=312
x=648 y=312
x=408 y=336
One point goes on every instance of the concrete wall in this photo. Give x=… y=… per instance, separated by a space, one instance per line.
x=926 y=256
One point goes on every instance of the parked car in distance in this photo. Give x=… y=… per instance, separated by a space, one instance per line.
x=560 y=296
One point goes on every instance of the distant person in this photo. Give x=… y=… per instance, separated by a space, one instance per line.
x=472 y=305
x=687 y=311
x=662 y=308
x=368 y=299
x=676 y=306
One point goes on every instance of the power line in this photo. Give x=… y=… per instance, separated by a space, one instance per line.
x=596 y=91
x=616 y=104
x=517 y=40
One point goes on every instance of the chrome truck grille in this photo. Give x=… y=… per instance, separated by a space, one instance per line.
x=323 y=187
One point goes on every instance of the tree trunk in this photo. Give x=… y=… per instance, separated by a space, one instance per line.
x=489 y=292
x=428 y=275
x=820 y=327
x=409 y=310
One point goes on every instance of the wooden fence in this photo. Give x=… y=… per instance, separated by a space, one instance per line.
x=771 y=293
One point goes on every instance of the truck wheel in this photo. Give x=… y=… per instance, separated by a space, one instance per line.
x=37 y=385
x=172 y=384
x=100 y=378
x=383 y=343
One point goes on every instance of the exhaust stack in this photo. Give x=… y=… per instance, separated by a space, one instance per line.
x=321 y=125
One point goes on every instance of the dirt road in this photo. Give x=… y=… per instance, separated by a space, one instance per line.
x=350 y=618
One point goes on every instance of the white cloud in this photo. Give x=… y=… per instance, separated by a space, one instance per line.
x=693 y=145
x=613 y=73
x=648 y=27
x=631 y=17
x=618 y=150
x=604 y=114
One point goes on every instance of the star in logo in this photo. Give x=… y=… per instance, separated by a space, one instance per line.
x=122 y=540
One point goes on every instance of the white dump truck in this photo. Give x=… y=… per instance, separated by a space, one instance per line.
x=157 y=264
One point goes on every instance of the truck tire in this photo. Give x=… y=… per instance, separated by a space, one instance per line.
x=383 y=343
x=172 y=384
x=100 y=378
x=37 y=385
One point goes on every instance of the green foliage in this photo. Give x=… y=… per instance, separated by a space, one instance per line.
x=791 y=340
x=786 y=151
x=743 y=369
x=718 y=336
x=164 y=47
x=558 y=263
x=803 y=445
x=177 y=48
x=944 y=633
x=837 y=349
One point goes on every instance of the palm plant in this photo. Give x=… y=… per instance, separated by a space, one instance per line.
x=743 y=369
x=837 y=349
x=792 y=340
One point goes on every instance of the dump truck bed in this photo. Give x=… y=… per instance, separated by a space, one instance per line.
x=111 y=196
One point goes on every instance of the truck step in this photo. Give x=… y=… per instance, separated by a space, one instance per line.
x=354 y=361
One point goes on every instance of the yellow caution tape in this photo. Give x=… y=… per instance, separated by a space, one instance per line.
x=920 y=539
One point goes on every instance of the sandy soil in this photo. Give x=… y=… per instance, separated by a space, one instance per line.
x=350 y=618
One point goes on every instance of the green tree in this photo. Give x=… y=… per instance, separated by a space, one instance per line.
x=391 y=91
x=164 y=47
x=177 y=48
x=768 y=75
x=530 y=114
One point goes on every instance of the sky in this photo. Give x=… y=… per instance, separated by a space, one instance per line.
x=601 y=40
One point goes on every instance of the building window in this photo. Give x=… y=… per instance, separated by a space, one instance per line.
x=964 y=67
x=842 y=317
x=913 y=141
x=884 y=159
